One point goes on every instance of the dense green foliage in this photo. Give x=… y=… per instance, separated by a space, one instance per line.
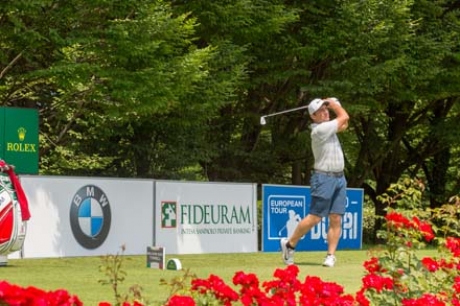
x=175 y=89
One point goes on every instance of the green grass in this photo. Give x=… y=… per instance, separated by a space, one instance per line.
x=80 y=275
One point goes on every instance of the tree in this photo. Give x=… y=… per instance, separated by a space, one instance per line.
x=99 y=72
x=394 y=64
x=176 y=89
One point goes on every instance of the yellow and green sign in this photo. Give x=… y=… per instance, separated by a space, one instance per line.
x=19 y=138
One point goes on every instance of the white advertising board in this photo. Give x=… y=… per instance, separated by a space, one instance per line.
x=87 y=216
x=197 y=217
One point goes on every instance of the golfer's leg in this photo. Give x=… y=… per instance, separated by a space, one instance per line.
x=334 y=232
x=302 y=228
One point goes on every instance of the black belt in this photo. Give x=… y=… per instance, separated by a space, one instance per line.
x=330 y=173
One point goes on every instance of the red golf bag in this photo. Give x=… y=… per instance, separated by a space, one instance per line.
x=14 y=212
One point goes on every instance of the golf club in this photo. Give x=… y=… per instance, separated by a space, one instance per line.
x=263 y=121
x=282 y=229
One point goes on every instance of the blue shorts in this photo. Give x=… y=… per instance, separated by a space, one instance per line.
x=328 y=194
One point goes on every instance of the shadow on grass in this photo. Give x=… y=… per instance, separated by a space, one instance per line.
x=308 y=263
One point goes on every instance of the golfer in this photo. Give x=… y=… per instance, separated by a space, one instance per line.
x=328 y=183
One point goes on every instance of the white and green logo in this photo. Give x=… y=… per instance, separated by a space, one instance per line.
x=168 y=214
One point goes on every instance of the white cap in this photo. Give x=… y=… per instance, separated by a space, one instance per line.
x=315 y=105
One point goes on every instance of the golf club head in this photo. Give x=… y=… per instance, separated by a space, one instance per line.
x=263 y=121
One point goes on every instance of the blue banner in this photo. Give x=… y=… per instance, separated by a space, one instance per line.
x=284 y=207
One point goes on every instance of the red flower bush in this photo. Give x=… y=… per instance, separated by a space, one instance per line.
x=14 y=295
x=377 y=283
x=430 y=264
x=178 y=300
x=373 y=266
x=424 y=228
x=396 y=220
x=284 y=290
x=215 y=286
x=453 y=244
x=424 y=300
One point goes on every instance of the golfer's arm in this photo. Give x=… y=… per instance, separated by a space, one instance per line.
x=342 y=116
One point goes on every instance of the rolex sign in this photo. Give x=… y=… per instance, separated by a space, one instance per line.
x=19 y=138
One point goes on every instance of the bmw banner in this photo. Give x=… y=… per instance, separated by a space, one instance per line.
x=284 y=207
x=87 y=216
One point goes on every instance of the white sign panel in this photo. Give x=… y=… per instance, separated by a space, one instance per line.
x=86 y=216
x=196 y=217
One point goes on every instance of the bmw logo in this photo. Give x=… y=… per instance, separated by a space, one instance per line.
x=90 y=216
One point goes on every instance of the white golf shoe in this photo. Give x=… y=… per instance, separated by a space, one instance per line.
x=287 y=253
x=329 y=261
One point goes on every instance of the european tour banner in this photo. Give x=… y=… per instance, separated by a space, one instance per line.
x=284 y=207
x=205 y=217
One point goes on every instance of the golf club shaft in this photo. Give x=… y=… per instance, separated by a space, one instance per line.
x=287 y=111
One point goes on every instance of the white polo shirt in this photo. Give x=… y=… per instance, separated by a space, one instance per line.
x=326 y=147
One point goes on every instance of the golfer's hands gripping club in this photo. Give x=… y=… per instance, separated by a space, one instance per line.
x=333 y=100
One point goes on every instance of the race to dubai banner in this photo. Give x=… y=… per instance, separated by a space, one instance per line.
x=285 y=205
